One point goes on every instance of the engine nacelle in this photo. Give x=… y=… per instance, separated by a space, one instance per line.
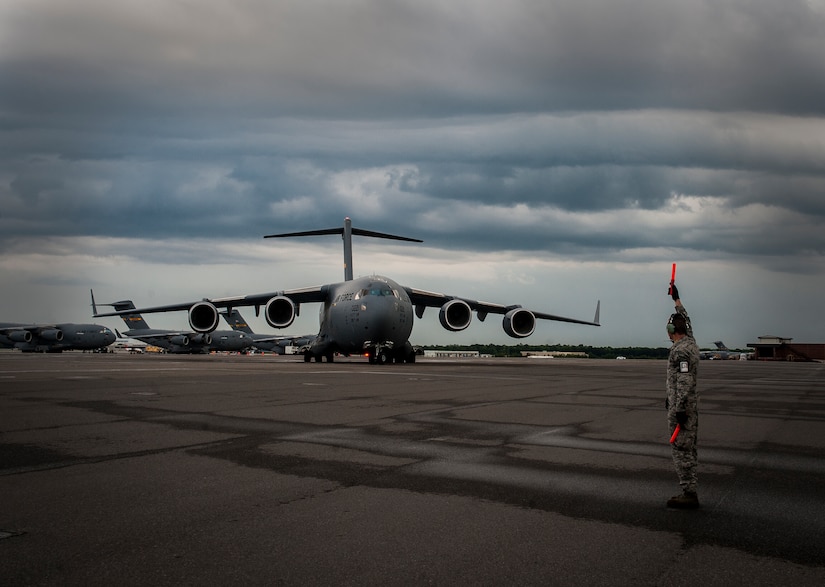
x=51 y=334
x=179 y=340
x=205 y=339
x=280 y=312
x=203 y=317
x=519 y=323
x=455 y=315
x=20 y=336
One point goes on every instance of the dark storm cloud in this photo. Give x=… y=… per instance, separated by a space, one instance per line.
x=483 y=125
x=394 y=58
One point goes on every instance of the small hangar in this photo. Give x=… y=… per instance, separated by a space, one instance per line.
x=777 y=348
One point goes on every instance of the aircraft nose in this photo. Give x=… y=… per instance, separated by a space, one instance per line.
x=382 y=318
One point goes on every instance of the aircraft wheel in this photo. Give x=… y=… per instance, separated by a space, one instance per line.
x=307 y=357
x=330 y=358
x=411 y=358
x=383 y=357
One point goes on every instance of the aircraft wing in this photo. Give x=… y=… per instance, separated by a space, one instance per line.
x=423 y=299
x=285 y=340
x=49 y=331
x=157 y=335
x=33 y=328
x=298 y=296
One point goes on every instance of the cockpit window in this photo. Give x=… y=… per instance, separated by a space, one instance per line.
x=375 y=289
x=378 y=289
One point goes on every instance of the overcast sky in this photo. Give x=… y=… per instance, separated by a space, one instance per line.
x=549 y=153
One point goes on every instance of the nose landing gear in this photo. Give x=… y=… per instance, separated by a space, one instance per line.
x=381 y=357
x=386 y=354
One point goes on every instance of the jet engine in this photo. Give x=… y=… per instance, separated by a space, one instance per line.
x=180 y=340
x=203 y=317
x=455 y=315
x=51 y=334
x=280 y=312
x=205 y=339
x=20 y=336
x=519 y=323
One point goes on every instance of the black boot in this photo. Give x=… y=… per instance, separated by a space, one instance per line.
x=686 y=501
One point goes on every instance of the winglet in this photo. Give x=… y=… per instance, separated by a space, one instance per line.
x=596 y=319
x=94 y=305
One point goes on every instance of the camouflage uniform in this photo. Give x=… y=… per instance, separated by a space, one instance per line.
x=682 y=366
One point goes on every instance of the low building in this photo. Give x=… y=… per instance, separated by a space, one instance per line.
x=551 y=354
x=441 y=354
x=778 y=348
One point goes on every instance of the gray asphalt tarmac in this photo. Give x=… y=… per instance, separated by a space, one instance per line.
x=262 y=470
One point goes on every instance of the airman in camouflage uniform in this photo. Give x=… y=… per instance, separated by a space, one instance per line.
x=682 y=402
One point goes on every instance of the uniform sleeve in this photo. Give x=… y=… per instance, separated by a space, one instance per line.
x=680 y=309
x=685 y=379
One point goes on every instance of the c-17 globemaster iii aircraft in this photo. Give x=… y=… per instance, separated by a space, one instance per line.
x=369 y=315
x=54 y=338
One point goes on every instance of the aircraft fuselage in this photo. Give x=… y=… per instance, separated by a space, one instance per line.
x=230 y=340
x=55 y=337
x=172 y=341
x=370 y=315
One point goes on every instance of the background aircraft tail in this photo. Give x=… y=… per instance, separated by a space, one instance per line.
x=133 y=321
x=236 y=321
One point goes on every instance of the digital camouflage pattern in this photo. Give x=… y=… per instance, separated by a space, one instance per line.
x=682 y=396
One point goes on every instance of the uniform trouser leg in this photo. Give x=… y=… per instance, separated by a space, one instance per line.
x=685 y=458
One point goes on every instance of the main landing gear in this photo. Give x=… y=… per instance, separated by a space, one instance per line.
x=383 y=355
x=308 y=356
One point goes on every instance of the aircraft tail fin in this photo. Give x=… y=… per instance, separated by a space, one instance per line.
x=720 y=345
x=598 y=308
x=236 y=321
x=133 y=321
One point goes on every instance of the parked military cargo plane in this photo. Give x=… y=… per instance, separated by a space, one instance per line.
x=54 y=338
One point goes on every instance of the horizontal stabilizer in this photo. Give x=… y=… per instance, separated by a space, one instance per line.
x=346 y=233
x=356 y=231
x=361 y=232
x=307 y=233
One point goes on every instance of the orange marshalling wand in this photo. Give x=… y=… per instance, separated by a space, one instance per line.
x=672 y=279
x=675 y=433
